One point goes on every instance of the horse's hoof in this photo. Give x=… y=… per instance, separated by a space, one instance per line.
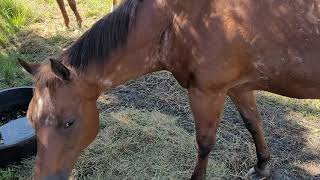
x=79 y=23
x=66 y=23
x=255 y=175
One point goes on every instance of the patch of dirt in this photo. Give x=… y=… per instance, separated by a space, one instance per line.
x=157 y=91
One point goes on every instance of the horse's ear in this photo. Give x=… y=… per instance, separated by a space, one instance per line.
x=60 y=70
x=30 y=68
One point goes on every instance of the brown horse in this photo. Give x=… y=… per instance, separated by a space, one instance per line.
x=73 y=6
x=213 y=48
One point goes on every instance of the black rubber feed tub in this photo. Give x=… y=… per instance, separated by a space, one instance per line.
x=17 y=137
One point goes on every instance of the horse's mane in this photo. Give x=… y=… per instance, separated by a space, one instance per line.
x=95 y=45
x=107 y=34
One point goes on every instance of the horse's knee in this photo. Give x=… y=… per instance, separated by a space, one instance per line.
x=205 y=145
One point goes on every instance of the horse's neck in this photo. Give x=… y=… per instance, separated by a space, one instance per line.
x=149 y=46
x=125 y=68
x=140 y=55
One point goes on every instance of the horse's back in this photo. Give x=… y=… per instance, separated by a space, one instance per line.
x=258 y=45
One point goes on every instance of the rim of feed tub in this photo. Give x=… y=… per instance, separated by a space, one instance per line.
x=24 y=147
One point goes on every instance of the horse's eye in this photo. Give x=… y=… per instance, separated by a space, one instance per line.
x=68 y=124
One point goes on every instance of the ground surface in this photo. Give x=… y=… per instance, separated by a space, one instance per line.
x=147 y=130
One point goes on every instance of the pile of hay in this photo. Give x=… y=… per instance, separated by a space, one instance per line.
x=140 y=145
x=134 y=144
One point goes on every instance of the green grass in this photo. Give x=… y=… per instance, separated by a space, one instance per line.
x=10 y=72
x=93 y=7
x=13 y=16
x=309 y=108
x=32 y=38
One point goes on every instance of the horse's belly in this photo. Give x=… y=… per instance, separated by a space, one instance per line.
x=296 y=91
x=297 y=82
x=291 y=69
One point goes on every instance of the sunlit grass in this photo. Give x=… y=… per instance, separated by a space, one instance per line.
x=10 y=72
x=13 y=16
x=96 y=7
x=309 y=108
x=34 y=30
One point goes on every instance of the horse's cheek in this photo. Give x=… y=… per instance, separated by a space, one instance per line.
x=89 y=122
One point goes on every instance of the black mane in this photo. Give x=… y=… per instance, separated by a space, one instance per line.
x=105 y=35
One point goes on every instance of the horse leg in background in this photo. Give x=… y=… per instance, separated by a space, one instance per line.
x=247 y=106
x=73 y=6
x=114 y=3
x=206 y=108
x=64 y=12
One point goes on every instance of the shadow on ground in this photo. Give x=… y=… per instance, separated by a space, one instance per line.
x=294 y=147
x=36 y=47
x=32 y=48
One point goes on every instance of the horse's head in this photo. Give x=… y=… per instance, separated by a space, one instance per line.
x=64 y=114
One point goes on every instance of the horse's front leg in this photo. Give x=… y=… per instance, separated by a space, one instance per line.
x=206 y=107
x=246 y=104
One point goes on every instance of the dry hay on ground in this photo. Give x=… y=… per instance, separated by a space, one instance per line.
x=137 y=145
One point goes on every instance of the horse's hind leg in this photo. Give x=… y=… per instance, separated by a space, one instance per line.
x=206 y=108
x=64 y=12
x=246 y=105
x=73 y=6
